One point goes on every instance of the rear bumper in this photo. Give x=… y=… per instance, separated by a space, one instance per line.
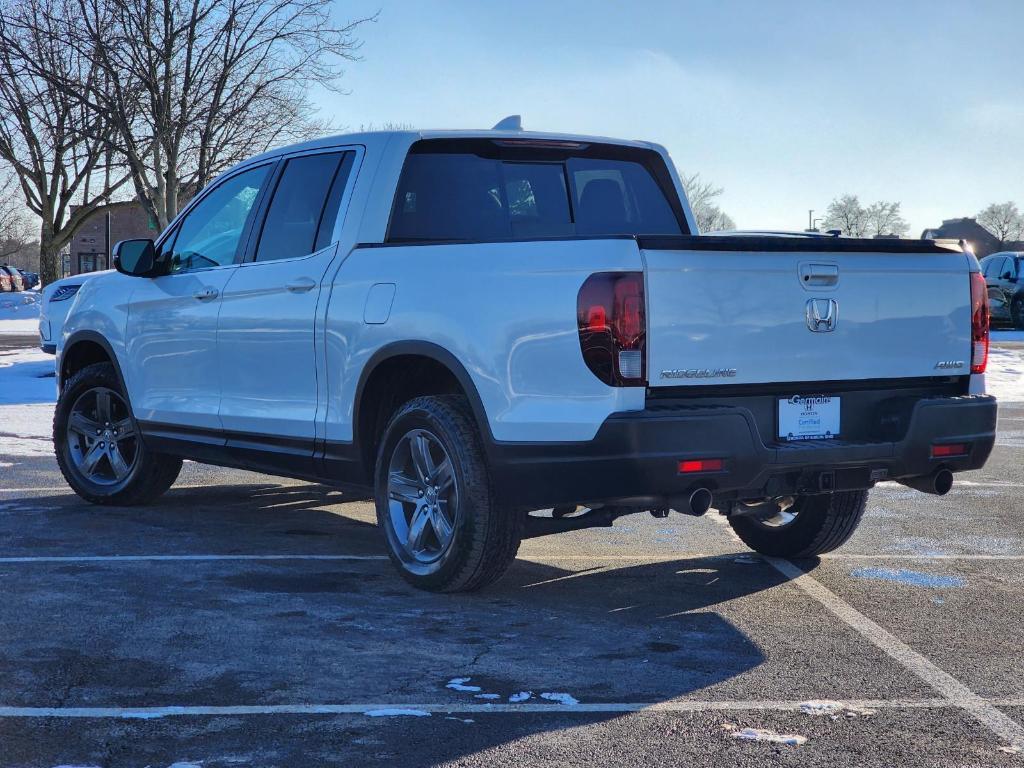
x=635 y=456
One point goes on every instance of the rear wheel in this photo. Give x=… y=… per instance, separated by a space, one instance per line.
x=98 y=447
x=443 y=527
x=812 y=525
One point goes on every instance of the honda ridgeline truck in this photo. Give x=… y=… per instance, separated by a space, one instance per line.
x=502 y=334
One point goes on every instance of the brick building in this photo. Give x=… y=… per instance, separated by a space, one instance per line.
x=90 y=247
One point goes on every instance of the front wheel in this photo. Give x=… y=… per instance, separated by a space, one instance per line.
x=813 y=525
x=98 y=447
x=443 y=527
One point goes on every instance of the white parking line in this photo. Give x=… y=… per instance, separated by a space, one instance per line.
x=945 y=684
x=176 y=558
x=151 y=713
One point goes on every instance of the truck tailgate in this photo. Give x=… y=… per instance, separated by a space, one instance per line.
x=746 y=310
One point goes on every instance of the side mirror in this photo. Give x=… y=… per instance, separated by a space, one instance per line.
x=135 y=257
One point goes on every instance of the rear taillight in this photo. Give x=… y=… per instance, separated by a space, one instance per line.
x=979 y=323
x=612 y=323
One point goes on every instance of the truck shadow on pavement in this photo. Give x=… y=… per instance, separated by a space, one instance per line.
x=257 y=632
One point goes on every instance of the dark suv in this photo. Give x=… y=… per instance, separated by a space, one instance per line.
x=1005 y=289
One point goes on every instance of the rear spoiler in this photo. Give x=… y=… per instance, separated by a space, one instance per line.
x=774 y=243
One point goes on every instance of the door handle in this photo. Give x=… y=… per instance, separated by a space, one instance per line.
x=300 y=285
x=205 y=294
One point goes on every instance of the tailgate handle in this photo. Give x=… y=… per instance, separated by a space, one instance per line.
x=819 y=275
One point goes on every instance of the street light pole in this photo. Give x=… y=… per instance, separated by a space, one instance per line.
x=810 y=218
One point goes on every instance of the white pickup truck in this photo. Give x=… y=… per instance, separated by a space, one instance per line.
x=502 y=334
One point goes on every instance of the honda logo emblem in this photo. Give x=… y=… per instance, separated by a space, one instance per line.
x=822 y=315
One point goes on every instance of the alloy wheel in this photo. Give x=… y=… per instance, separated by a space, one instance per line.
x=101 y=438
x=423 y=499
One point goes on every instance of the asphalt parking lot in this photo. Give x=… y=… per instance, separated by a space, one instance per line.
x=250 y=620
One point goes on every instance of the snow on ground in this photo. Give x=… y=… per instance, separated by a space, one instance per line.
x=19 y=313
x=1005 y=375
x=762 y=734
x=999 y=335
x=27 y=393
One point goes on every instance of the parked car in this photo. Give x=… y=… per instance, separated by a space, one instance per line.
x=17 y=283
x=477 y=326
x=1003 y=272
x=6 y=284
x=56 y=301
x=31 y=279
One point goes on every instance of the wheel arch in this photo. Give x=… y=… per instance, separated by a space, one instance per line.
x=366 y=425
x=84 y=348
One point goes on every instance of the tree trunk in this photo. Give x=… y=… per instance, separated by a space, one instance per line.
x=49 y=255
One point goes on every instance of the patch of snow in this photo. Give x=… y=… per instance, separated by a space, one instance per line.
x=396 y=713
x=185 y=764
x=26 y=430
x=19 y=313
x=904 y=576
x=487 y=696
x=746 y=559
x=561 y=698
x=1002 y=335
x=459 y=684
x=515 y=698
x=27 y=376
x=833 y=709
x=1004 y=376
x=1010 y=750
x=460 y=720
x=763 y=734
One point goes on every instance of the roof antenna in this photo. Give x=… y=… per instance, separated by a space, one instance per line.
x=510 y=123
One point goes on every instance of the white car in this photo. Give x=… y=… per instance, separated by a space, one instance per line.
x=477 y=325
x=56 y=301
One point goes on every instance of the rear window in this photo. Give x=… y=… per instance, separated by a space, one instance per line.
x=489 y=190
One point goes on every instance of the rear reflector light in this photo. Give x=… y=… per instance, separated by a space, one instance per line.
x=979 y=323
x=611 y=318
x=701 y=465
x=951 y=449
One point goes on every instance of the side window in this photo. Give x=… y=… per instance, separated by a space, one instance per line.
x=210 y=234
x=1009 y=267
x=301 y=216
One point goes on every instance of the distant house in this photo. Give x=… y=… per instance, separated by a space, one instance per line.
x=90 y=247
x=981 y=240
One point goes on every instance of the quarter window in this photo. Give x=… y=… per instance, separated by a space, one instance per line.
x=210 y=234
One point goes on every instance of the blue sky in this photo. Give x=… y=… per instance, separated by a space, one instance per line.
x=785 y=104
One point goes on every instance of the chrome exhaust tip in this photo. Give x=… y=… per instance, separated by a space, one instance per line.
x=699 y=502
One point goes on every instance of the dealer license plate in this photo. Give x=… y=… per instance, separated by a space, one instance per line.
x=809 y=417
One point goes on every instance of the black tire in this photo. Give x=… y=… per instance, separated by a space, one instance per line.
x=1017 y=313
x=485 y=537
x=151 y=474
x=822 y=523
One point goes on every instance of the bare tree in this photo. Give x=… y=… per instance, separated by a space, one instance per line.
x=54 y=144
x=1004 y=221
x=702 y=195
x=191 y=87
x=847 y=215
x=883 y=218
x=15 y=228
